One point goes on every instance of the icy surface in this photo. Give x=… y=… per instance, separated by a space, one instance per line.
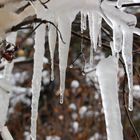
x=107 y=71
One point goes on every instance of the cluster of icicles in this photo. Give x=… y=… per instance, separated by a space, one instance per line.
x=62 y=14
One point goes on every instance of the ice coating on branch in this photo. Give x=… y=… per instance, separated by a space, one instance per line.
x=94 y=31
x=52 y=43
x=107 y=71
x=37 y=75
x=127 y=55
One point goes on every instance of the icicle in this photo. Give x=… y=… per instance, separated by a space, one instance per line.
x=52 y=42
x=37 y=72
x=117 y=37
x=83 y=21
x=94 y=28
x=64 y=25
x=128 y=60
x=107 y=76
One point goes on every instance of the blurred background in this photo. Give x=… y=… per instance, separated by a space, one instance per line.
x=81 y=116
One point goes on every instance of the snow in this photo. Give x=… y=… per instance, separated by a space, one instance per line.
x=136 y=90
x=75 y=126
x=73 y=107
x=107 y=71
x=53 y=138
x=82 y=111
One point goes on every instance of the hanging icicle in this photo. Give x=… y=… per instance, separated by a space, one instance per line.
x=52 y=43
x=64 y=25
x=94 y=29
x=127 y=55
x=37 y=75
x=107 y=71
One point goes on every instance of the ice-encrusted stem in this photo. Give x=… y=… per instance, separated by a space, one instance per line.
x=107 y=71
x=37 y=75
x=64 y=25
x=127 y=55
x=52 y=43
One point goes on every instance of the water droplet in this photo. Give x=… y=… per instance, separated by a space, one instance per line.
x=61 y=99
